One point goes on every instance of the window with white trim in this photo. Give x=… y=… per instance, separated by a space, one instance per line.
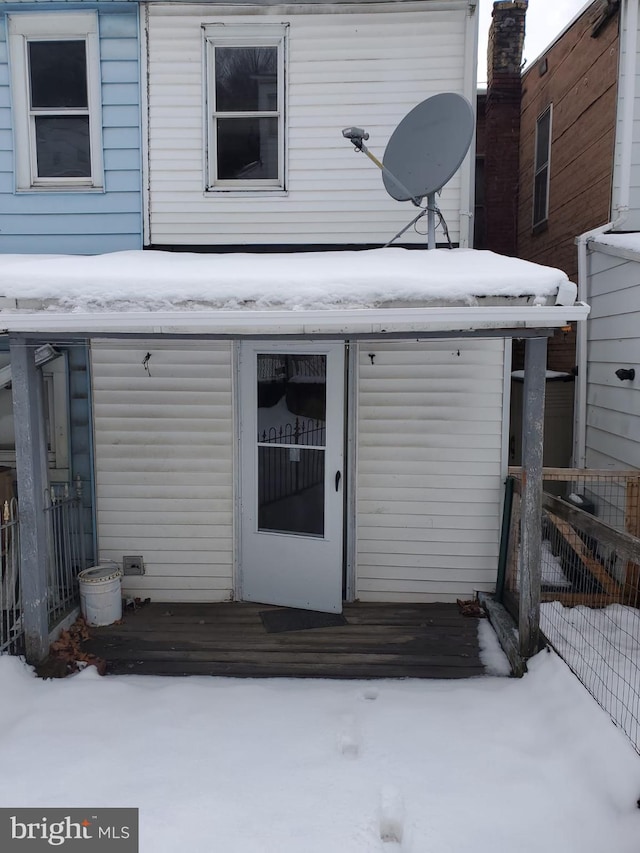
x=245 y=106
x=55 y=76
x=541 y=168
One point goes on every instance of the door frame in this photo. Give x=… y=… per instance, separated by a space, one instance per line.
x=348 y=465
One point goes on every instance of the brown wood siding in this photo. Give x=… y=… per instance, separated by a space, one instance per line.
x=581 y=84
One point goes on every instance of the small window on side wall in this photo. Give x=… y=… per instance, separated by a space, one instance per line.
x=541 y=168
x=245 y=106
x=56 y=98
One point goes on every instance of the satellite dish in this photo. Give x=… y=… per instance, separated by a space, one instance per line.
x=428 y=146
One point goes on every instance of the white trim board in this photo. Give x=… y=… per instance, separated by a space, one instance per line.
x=378 y=321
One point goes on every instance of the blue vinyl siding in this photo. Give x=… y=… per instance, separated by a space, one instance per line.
x=82 y=222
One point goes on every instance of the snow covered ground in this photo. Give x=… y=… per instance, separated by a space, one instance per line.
x=294 y=766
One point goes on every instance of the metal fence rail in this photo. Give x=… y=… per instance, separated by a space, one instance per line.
x=11 y=627
x=65 y=547
x=590 y=583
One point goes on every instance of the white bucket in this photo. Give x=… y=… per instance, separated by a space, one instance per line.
x=101 y=594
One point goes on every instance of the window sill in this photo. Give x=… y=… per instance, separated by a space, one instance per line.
x=59 y=188
x=541 y=227
x=248 y=193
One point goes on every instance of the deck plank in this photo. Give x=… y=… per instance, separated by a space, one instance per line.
x=228 y=639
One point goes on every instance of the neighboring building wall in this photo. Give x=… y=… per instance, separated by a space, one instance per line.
x=613 y=407
x=502 y=126
x=82 y=222
x=164 y=444
x=429 y=482
x=348 y=65
x=580 y=83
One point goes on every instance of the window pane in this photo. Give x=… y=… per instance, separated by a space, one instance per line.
x=291 y=490
x=62 y=146
x=292 y=399
x=247 y=149
x=246 y=79
x=542 y=139
x=540 y=197
x=58 y=72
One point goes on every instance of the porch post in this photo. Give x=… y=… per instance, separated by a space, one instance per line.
x=535 y=364
x=31 y=470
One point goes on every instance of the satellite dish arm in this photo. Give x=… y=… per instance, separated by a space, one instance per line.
x=357 y=135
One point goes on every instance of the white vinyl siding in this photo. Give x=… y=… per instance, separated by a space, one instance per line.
x=365 y=68
x=164 y=465
x=429 y=482
x=613 y=335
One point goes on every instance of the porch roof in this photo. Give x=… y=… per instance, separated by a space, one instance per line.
x=347 y=292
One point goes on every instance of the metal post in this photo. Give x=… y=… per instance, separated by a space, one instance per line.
x=30 y=467
x=531 y=506
x=431 y=221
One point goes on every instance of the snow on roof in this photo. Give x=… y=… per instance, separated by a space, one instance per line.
x=628 y=242
x=177 y=281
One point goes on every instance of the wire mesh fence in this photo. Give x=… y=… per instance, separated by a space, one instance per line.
x=590 y=583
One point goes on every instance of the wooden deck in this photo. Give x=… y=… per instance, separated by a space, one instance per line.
x=378 y=641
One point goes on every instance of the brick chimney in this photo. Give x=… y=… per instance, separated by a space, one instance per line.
x=504 y=60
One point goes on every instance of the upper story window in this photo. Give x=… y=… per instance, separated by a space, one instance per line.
x=541 y=168
x=245 y=106
x=56 y=98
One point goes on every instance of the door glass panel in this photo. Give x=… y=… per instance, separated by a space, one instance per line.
x=292 y=403
x=292 y=399
x=291 y=490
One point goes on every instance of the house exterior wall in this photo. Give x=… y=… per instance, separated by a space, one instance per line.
x=429 y=467
x=347 y=65
x=81 y=222
x=613 y=329
x=429 y=481
x=164 y=444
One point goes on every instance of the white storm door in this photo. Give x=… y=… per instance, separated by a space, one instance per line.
x=292 y=437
